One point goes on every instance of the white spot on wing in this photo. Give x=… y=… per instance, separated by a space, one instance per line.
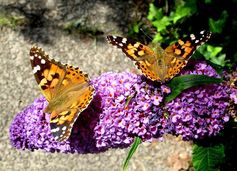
x=192 y=36
x=201 y=32
x=124 y=40
x=42 y=61
x=196 y=41
x=64 y=128
x=114 y=37
x=120 y=44
x=36 y=68
x=36 y=54
x=56 y=137
x=32 y=57
x=55 y=129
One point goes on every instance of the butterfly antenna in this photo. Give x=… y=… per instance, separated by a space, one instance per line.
x=149 y=37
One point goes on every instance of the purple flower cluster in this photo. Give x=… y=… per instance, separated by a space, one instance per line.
x=199 y=111
x=127 y=105
x=124 y=106
x=30 y=130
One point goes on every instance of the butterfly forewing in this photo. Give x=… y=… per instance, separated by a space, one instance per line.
x=136 y=51
x=178 y=54
x=48 y=73
x=185 y=47
x=66 y=88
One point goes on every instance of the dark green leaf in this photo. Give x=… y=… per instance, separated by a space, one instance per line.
x=178 y=84
x=184 y=9
x=132 y=150
x=181 y=12
x=214 y=54
x=216 y=26
x=208 y=158
x=154 y=13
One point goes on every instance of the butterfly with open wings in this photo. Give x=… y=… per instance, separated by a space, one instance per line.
x=160 y=64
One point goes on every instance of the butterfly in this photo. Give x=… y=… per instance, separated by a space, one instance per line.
x=67 y=89
x=160 y=64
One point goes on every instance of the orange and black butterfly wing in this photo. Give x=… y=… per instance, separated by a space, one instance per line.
x=136 y=51
x=48 y=73
x=178 y=54
x=145 y=57
x=75 y=96
x=66 y=88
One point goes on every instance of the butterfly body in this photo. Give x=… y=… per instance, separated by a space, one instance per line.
x=156 y=63
x=67 y=89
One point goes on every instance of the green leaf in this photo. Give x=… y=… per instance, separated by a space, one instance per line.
x=213 y=54
x=208 y=1
x=208 y=158
x=178 y=84
x=132 y=150
x=158 y=38
x=181 y=12
x=214 y=50
x=184 y=9
x=136 y=28
x=216 y=26
x=162 y=24
x=154 y=13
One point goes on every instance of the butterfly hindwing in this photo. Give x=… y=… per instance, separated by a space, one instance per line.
x=66 y=88
x=75 y=97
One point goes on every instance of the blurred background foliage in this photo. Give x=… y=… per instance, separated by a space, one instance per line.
x=170 y=20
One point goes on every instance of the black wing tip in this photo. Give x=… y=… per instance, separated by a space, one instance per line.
x=110 y=38
x=206 y=33
x=36 y=49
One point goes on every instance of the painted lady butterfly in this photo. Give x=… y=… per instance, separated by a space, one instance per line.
x=160 y=64
x=67 y=89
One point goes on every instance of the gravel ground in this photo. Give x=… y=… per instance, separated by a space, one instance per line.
x=94 y=56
